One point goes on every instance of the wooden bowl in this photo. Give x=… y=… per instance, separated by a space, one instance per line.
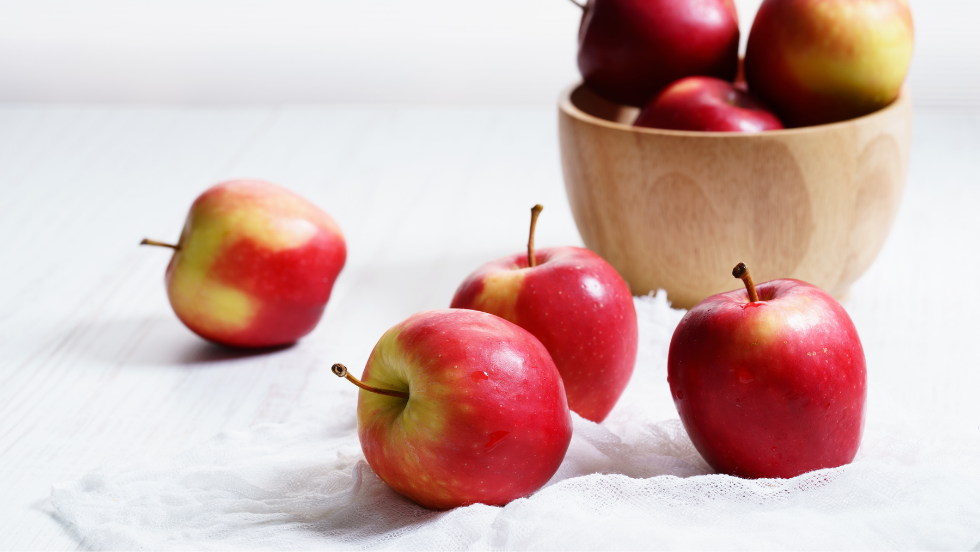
x=678 y=210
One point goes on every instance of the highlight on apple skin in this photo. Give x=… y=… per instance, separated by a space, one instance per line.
x=254 y=266
x=482 y=417
x=773 y=387
x=822 y=61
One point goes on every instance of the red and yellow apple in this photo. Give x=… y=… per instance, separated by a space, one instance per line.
x=821 y=61
x=707 y=104
x=254 y=265
x=769 y=381
x=577 y=305
x=630 y=49
x=461 y=407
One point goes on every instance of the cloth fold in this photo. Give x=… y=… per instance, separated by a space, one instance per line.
x=633 y=482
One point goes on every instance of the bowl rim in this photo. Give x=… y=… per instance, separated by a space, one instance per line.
x=566 y=106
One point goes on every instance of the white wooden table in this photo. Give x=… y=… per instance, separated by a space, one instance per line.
x=94 y=367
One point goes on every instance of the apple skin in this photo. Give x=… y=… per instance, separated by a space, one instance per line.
x=774 y=388
x=707 y=104
x=630 y=49
x=822 y=61
x=255 y=265
x=486 y=420
x=578 y=306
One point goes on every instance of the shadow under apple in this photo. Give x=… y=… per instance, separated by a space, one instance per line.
x=155 y=341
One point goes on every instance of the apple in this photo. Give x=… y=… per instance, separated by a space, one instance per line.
x=707 y=104
x=630 y=49
x=461 y=407
x=254 y=265
x=769 y=381
x=821 y=61
x=576 y=304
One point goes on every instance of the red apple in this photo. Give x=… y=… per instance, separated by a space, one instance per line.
x=821 y=61
x=707 y=104
x=577 y=305
x=771 y=385
x=630 y=49
x=461 y=407
x=254 y=266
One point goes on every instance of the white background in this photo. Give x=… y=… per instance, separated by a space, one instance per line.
x=359 y=51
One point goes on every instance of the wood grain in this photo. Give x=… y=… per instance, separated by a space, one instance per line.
x=677 y=210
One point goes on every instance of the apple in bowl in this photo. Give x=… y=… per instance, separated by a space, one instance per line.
x=822 y=61
x=254 y=266
x=707 y=104
x=630 y=49
x=461 y=407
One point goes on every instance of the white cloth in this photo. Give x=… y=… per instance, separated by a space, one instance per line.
x=632 y=482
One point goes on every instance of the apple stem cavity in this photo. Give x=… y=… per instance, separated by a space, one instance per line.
x=147 y=241
x=341 y=371
x=535 y=211
x=742 y=272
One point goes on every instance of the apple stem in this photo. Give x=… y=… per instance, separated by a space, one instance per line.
x=159 y=244
x=582 y=6
x=341 y=371
x=742 y=272
x=535 y=211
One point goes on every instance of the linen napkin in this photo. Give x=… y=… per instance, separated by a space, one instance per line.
x=633 y=482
